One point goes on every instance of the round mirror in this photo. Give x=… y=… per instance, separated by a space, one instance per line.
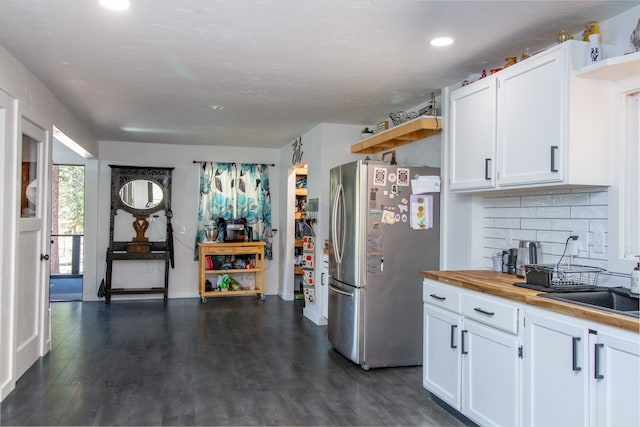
x=141 y=194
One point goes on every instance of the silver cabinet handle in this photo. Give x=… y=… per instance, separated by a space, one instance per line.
x=574 y=354
x=453 y=334
x=488 y=313
x=553 y=158
x=487 y=162
x=439 y=298
x=596 y=368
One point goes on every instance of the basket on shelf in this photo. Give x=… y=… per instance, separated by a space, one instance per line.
x=563 y=275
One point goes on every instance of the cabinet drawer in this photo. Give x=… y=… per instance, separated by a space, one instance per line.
x=494 y=313
x=443 y=296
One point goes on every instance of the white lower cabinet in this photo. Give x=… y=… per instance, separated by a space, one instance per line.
x=472 y=363
x=490 y=378
x=441 y=365
x=579 y=373
x=556 y=371
x=501 y=363
x=616 y=378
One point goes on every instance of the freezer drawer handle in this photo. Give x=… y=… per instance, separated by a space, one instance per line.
x=574 y=354
x=488 y=313
x=439 y=298
x=453 y=333
x=338 y=291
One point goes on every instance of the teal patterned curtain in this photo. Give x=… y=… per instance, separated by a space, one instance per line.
x=234 y=191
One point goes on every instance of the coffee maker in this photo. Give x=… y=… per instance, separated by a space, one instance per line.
x=528 y=253
x=509 y=259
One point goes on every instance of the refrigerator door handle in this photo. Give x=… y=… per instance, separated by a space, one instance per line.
x=338 y=240
x=338 y=291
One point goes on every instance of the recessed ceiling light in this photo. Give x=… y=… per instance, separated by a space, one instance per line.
x=441 y=41
x=115 y=4
x=216 y=107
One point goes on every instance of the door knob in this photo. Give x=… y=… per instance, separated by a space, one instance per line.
x=44 y=257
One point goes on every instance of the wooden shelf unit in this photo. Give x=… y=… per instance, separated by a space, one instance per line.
x=406 y=133
x=253 y=250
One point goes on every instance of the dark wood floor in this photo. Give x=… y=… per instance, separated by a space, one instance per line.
x=230 y=361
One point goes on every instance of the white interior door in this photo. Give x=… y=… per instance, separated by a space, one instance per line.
x=32 y=291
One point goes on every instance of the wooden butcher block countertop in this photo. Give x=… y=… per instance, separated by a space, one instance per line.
x=501 y=285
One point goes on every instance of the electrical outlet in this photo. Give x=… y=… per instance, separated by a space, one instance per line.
x=572 y=248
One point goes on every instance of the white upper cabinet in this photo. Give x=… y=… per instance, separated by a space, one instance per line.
x=533 y=124
x=473 y=136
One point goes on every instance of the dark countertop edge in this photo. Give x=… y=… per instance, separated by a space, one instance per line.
x=501 y=285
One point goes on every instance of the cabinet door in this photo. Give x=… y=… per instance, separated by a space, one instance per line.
x=616 y=373
x=531 y=120
x=490 y=375
x=556 y=372
x=473 y=136
x=441 y=353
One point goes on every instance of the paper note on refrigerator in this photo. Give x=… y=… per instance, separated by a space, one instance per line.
x=425 y=184
x=421 y=208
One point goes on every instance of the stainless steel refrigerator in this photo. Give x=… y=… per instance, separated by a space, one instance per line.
x=384 y=229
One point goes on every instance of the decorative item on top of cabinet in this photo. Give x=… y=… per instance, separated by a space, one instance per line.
x=533 y=124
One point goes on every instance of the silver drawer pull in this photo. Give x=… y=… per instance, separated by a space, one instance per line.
x=488 y=313
x=439 y=298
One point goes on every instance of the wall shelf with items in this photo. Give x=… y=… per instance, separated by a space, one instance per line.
x=406 y=133
x=217 y=260
x=612 y=69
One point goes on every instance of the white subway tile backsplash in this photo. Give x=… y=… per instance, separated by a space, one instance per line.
x=570 y=224
x=524 y=235
x=598 y=225
x=507 y=222
x=496 y=233
x=507 y=202
x=543 y=200
x=589 y=212
x=552 y=236
x=548 y=218
x=599 y=198
x=536 y=224
x=577 y=199
x=552 y=212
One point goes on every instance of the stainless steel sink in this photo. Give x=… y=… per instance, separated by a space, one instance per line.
x=616 y=300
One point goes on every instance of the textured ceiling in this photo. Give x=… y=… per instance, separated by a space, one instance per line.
x=279 y=67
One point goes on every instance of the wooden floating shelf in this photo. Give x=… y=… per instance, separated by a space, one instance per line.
x=301 y=191
x=406 y=133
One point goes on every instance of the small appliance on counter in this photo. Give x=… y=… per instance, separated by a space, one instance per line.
x=528 y=253
x=509 y=260
x=235 y=231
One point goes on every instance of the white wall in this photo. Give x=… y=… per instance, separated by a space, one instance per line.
x=183 y=279
x=25 y=96
x=323 y=147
